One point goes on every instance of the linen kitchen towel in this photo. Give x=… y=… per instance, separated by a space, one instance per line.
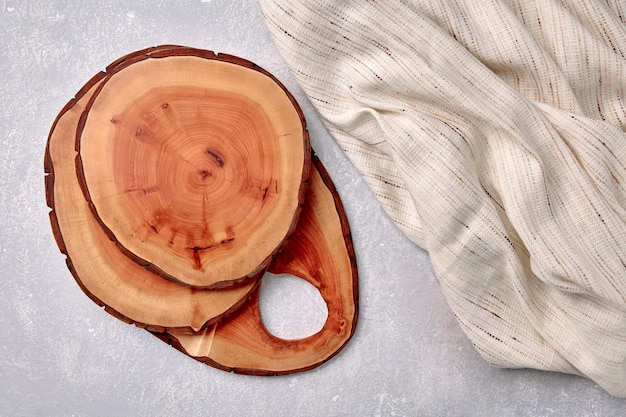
x=493 y=133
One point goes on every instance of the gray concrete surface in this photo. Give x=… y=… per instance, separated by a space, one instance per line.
x=61 y=355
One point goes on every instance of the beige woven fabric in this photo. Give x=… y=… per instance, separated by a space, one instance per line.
x=492 y=132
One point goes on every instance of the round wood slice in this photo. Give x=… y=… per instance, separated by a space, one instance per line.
x=194 y=163
x=126 y=289
x=319 y=251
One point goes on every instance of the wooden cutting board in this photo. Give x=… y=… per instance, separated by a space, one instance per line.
x=176 y=179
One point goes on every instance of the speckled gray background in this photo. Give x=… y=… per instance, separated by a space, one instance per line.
x=61 y=355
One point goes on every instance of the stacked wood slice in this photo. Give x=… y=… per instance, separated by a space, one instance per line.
x=176 y=179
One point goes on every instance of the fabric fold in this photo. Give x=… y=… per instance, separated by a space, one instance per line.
x=492 y=132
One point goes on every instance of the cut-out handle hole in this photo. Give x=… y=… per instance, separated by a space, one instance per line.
x=291 y=308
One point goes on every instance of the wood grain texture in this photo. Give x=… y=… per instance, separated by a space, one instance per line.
x=195 y=163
